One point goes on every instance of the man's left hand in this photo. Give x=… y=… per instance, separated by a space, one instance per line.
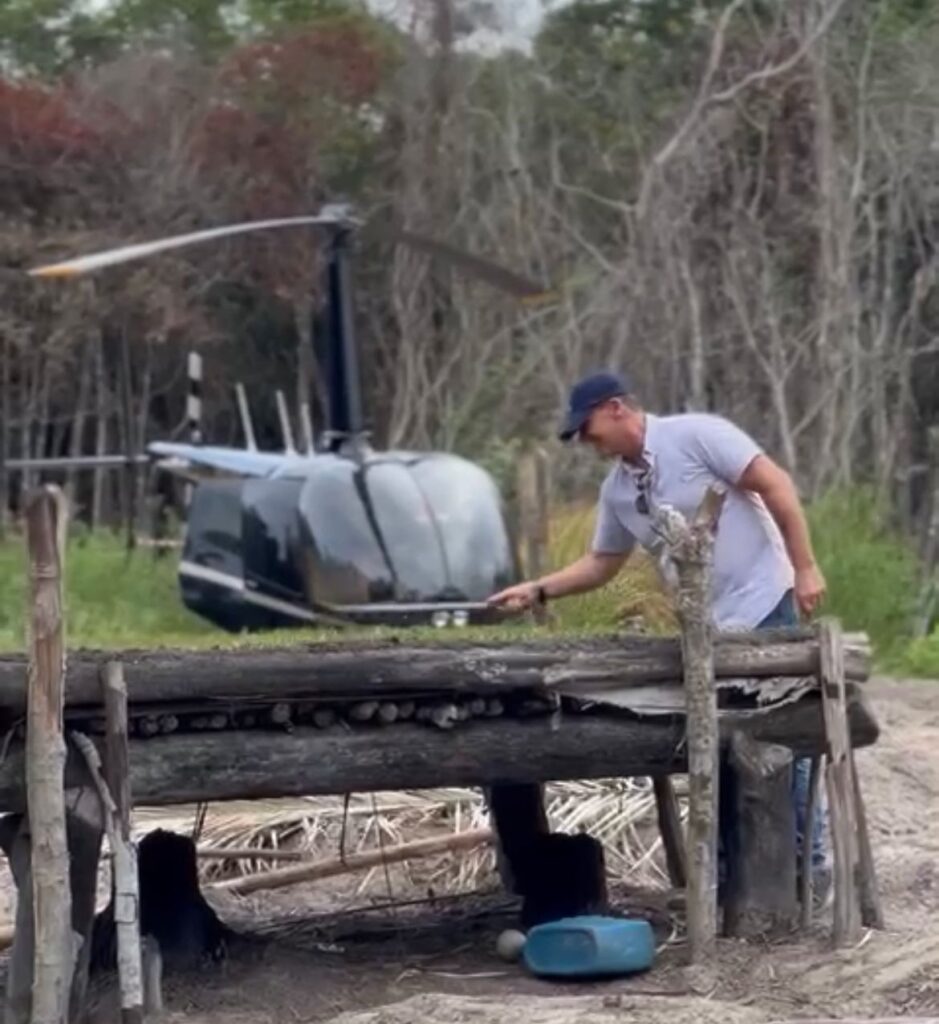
x=810 y=589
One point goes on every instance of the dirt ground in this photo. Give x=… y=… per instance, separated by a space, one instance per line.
x=437 y=963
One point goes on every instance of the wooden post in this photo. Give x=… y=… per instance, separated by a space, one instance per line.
x=14 y=838
x=761 y=883
x=126 y=891
x=125 y=887
x=152 y=958
x=847 y=921
x=85 y=829
x=690 y=548
x=805 y=886
x=673 y=837
x=518 y=816
x=45 y=761
x=872 y=911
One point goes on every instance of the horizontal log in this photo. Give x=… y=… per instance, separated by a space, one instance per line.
x=393 y=670
x=182 y=768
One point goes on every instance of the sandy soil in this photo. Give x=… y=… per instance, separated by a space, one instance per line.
x=439 y=963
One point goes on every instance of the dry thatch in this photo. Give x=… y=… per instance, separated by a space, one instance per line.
x=618 y=812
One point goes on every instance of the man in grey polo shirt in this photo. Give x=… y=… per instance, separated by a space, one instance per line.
x=764 y=571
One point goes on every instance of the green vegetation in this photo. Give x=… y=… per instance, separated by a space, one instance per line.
x=120 y=601
x=870 y=570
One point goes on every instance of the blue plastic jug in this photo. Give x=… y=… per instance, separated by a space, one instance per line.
x=589 y=946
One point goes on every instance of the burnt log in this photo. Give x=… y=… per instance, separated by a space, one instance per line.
x=382 y=670
x=518 y=817
x=761 y=861
x=173 y=911
x=564 y=876
x=193 y=767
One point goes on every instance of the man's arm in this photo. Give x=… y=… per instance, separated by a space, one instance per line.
x=611 y=545
x=734 y=457
x=775 y=486
x=589 y=572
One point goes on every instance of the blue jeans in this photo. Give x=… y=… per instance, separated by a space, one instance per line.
x=786 y=614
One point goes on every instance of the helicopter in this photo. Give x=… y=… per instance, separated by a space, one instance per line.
x=343 y=533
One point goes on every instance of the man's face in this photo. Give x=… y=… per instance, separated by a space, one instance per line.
x=603 y=431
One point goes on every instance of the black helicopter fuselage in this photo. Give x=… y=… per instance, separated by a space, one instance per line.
x=392 y=537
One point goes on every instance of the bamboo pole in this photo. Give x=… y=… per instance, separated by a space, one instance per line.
x=355 y=862
x=54 y=948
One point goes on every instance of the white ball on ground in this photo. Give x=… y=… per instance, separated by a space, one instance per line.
x=510 y=944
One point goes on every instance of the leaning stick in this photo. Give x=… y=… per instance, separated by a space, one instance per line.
x=355 y=862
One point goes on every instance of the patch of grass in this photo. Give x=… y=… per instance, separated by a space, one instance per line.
x=112 y=598
x=870 y=570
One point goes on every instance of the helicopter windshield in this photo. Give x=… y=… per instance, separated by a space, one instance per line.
x=345 y=564
x=407 y=531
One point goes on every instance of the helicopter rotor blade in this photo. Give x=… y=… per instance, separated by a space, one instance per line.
x=486 y=270
x=126 y=253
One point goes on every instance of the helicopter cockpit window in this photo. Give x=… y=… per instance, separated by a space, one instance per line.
x=344 y=561
x=408 y=528
x=467 y=509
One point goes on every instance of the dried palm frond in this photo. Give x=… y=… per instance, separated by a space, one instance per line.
x=618 y=812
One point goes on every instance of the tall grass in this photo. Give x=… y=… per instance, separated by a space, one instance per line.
x=869 y=569
x=113 y=599
x=635 y=593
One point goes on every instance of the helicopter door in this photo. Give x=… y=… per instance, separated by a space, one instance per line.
x=210 y=570
x=272 y=551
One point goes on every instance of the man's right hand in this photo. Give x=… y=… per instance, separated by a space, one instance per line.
x=517 y=598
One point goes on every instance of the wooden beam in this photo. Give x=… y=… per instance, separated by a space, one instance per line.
x=45 y=762
x=377 y=669
x=244 y=764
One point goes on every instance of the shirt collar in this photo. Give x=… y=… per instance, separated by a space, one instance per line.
x=649 y=443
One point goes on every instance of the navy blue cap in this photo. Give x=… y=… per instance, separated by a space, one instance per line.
x=586 y=395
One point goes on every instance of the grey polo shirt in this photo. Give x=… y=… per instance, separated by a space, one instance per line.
x=684 y=455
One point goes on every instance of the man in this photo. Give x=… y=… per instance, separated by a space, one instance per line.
x=764 y=571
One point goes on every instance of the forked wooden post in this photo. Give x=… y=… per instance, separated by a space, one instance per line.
x=53 y=956
x=691 y=547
